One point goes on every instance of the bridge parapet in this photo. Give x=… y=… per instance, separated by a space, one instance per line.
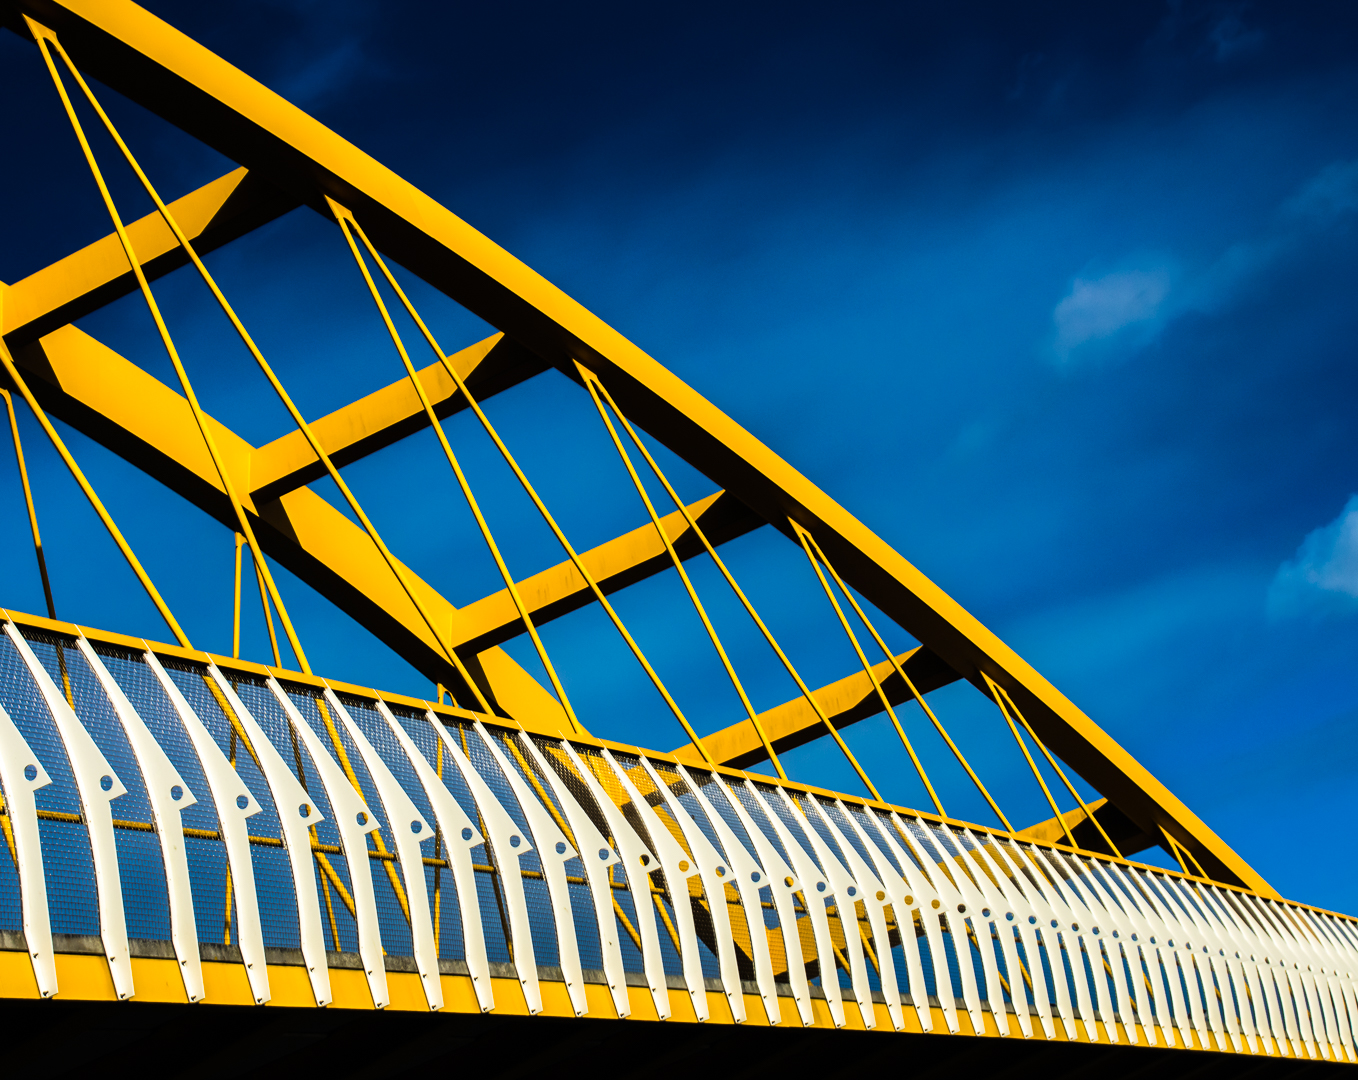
x=183 y=827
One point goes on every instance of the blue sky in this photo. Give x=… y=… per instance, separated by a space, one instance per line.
x=1058 y=301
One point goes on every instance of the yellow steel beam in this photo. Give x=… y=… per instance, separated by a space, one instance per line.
x=1119 y=827
x=614 y=565
x=845 y=702
x=99 y=273
x=390 y=414
x=142 y=57
x=91 y=387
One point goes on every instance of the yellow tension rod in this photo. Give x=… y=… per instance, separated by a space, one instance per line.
x=22 y=386
x=541 y=507
x=592 y=385
x=909 y=685
x=45 y=38
x=349 y=226
x=32 y=510
x=807 y=542
x=750 y=609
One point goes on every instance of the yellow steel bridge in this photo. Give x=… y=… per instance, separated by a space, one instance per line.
x=192 y=841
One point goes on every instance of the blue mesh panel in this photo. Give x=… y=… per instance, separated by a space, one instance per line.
x=494 y=923
x=269 y=713
x=392 y=923
x=375 y=727
x=206 y=858
x=927 y=962
x=755 y=809
x=67 y=864
x=141 y=868
x=11 y=901
x=581 y=901
x=275 y=893
x=542 y=923
x=718 y=796
x=794 y=824
x=639 y=882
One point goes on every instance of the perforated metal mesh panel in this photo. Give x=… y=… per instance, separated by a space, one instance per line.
x=67 y=863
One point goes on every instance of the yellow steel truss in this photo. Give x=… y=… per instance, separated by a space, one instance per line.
x=289 y=159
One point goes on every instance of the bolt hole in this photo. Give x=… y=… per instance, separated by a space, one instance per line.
x=466 y=834
x=30 y=772
x=416 y=827
x=304 y=810
x=515 y=841
x=820 y=886
x=561 y=847
x=788 y=882
x=755 y=876
x=909 y=900
x=242 y=801
x=721 y=871
x=603 y=853
x=362 y=818
x=176 y=793
x=683 y=866
x=881 y=895
x=106 y=782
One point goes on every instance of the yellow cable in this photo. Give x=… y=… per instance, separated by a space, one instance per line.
x=345 y=220
x=235 y=603
x=1060 y=772
x=804 y=537
x=739 y=592
x=995 y=693
x=44 y=38
x=909 y=685
x=533 y=495
x=32 y=510
x=22 y=386
x=678 y=564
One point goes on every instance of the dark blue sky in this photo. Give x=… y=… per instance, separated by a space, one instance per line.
x=1057 y=298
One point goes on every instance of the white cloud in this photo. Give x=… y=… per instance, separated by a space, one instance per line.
x=1322 y=578
x=1101 y=308
x=1125 y=310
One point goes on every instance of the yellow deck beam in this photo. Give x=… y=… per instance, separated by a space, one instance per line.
x=98 y=273
x=845 y=702
x=616 y=564
x=390 y=414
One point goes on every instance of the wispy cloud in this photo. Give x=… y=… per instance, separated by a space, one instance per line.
x=1101 y=308
x=1124 y=310
x=1322 y=578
